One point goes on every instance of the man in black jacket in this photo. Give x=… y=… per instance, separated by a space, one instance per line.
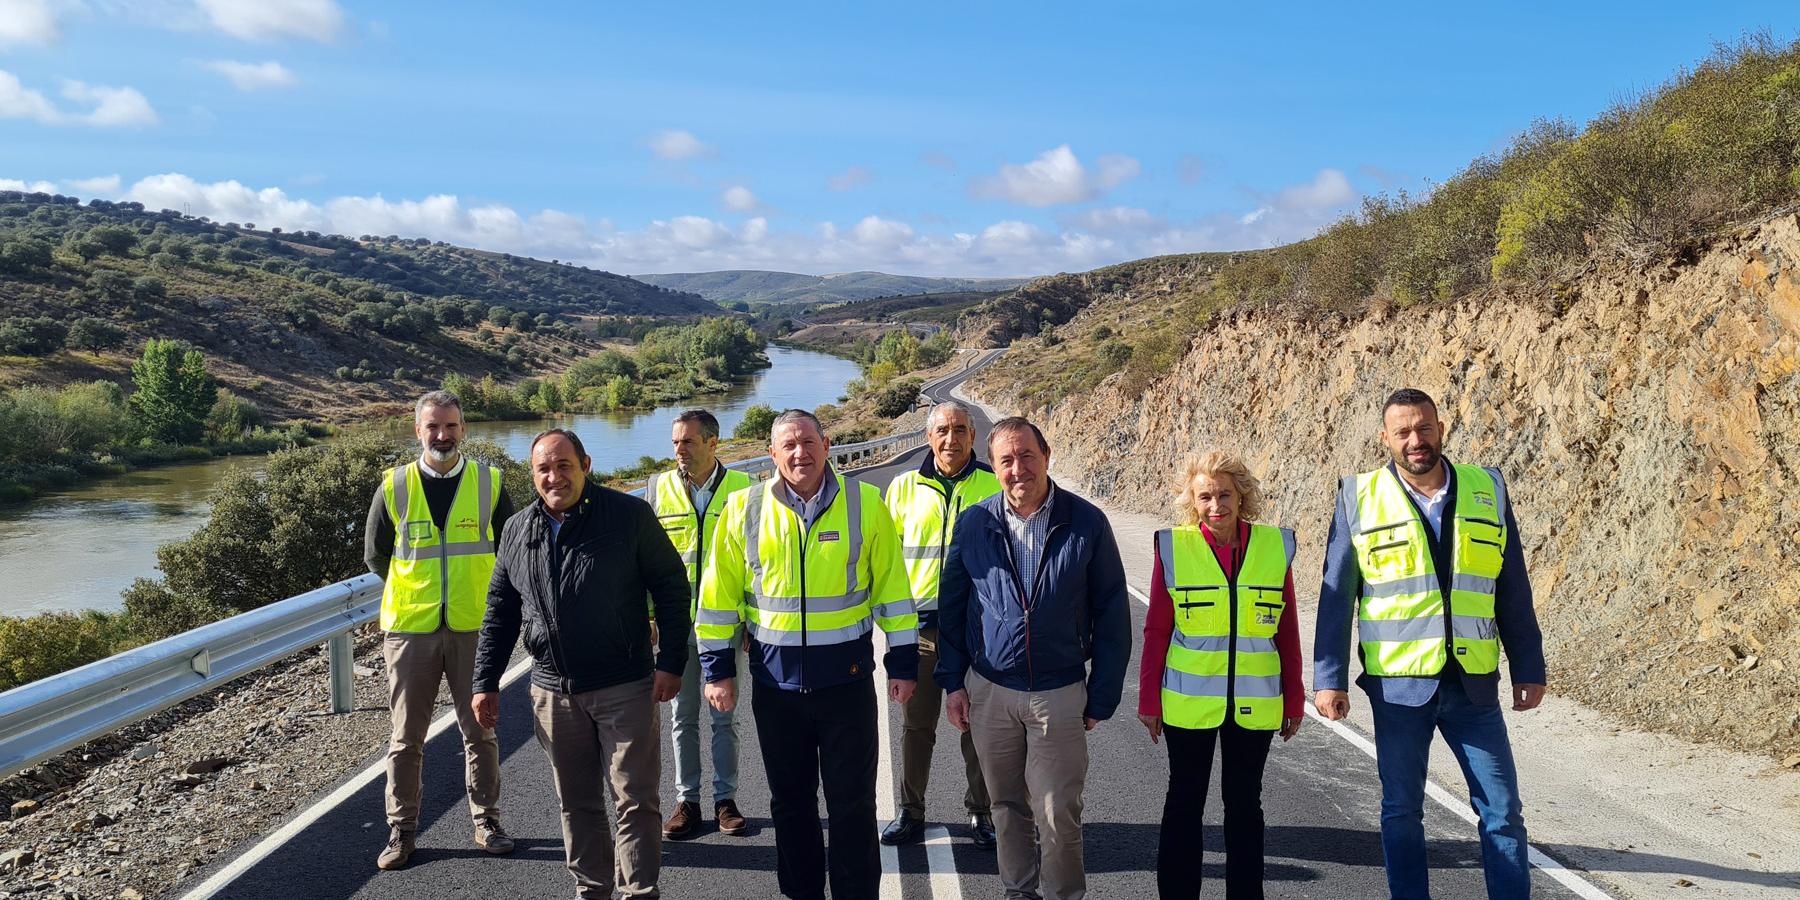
x=572 y=570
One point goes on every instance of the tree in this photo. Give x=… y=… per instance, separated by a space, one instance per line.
x=174 y=393
x=31 y=336
x=897 y=398
x=89 y=333
x=23 y=257
x=756 y=423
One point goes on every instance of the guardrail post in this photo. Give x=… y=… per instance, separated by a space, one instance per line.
x=338 y=649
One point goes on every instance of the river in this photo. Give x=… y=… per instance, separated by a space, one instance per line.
x=78 y=549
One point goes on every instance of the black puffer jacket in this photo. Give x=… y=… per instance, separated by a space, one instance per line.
x=580 y=598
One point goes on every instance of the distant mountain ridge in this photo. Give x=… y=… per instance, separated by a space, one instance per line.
x=757 y=286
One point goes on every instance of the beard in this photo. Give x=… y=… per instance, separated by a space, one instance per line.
x=1419 y=468
x=441 y=454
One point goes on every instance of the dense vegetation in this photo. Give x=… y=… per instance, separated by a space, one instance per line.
x=53 y=436
x=1651 y=178
x=756 y=287
x=305 y=324
x=670 y=363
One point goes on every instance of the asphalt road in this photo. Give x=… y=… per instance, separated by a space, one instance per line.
x=1321 y=800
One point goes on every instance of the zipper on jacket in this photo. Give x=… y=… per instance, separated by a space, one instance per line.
x=1231 y=580
x=553 y=630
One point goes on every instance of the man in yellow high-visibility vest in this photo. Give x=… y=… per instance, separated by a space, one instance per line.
x=431 y=534
x=688 y=503
x=1425 y=557
x=925 y=503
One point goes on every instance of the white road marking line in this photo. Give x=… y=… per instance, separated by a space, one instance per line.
x=237 y=867
x=941 y=859
x=1561 y=874
x=884 y=796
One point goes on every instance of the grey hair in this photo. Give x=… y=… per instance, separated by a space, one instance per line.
x=709 y=424
x=792 y=416
x=949 y=406
x=439 y=399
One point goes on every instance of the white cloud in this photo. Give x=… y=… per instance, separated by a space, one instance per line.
x=677 y=144
x=1056 y=177
x=1079 y=241
x=102 y=186
x=253 y=76
x=1114 y=220
x=27 y=22
x=738 y=198
x=261 y=20
x=855 y=176
x=112 y=106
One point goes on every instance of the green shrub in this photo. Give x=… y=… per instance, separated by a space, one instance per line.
x=31 y=336
x=756 y=423
x=897 y=399
x=39 y=646
x=90 y=333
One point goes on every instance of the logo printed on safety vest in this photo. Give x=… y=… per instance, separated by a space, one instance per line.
x=465 y=522
x=1485 y=499
x=826 y=537
x=1264 y=617
x=418 y=531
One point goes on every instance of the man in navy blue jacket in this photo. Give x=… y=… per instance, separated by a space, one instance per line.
x=1442 y=675
x=1033 y=590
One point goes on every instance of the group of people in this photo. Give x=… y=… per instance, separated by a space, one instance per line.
x=1003 y=602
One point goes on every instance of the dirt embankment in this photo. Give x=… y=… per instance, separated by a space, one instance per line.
x=1648 y=423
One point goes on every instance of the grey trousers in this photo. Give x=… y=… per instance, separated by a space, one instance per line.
x=1034 y=754
x=606 y=741
x=417 y=664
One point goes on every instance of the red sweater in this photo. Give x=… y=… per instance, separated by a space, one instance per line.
x=1160 y=623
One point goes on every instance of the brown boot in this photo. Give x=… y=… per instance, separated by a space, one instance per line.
x=685 y=823
x=398 y=851
x=491 y=837
x=730 y=820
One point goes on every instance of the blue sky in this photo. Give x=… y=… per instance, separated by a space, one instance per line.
x=923 y=138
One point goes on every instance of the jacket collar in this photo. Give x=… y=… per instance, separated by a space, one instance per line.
x=1062 y=508
x=928 y=467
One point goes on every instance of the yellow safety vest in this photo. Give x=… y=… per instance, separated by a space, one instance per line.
x=1405 y=621
x=1222 y=648
x=925 y=516
x=433 y=575
x=791 y=585
x=690 y=530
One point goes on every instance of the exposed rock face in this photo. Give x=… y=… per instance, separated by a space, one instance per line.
x=1650 y=433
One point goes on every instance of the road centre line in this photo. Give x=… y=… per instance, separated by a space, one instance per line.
x=1561 y=874
x=256 y=854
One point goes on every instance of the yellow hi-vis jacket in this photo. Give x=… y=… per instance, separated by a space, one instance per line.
x=809 y=597
x=925 y=515
x=691 y=530
x=1223 y=643
x=437 y=577
x=1405 y=622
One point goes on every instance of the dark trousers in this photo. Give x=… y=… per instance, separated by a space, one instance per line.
x=825 y=736
x=1179 y=849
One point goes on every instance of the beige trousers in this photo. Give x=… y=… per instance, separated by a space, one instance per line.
x=606 y=740
x=1034 y=757
x=417 y=664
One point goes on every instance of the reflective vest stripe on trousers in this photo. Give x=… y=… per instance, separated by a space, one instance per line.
x=1406 y=624
x=925 y=517
x=1222 y=648
x=437 y=575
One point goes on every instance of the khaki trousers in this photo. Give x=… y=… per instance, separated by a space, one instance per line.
x=919 y=737
x=417 y=664
x=606 y=740
x=1033 y=749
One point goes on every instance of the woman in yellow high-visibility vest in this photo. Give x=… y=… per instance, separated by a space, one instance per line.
x=1221 y=666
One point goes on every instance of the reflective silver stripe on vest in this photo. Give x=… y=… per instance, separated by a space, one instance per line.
x=922 y=553
x=688 y=558
x=1165 y=550
x=1289 y=544
x=1474 y=628
x=778 y=638
x=1499 y=494
x=435 y=551
x=401 y=496
x=1423 y=628
x=1474 y=584
x=853 y=524
x=1219 y=643
x=1412 y=584
x=813 y=603
x=1248 y=686
x=485 y=519
x=753 y=538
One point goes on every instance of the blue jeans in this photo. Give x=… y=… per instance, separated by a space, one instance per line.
x=686 y=730
x=1477 y=735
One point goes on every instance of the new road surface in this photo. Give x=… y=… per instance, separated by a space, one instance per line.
x=1321 y=800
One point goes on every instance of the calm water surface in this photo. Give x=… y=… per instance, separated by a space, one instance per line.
x=78 y=549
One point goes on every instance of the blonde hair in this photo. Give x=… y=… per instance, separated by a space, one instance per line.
x=1217 y=464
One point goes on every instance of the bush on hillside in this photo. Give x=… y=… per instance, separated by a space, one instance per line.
x=39 y=646
x=756 y=423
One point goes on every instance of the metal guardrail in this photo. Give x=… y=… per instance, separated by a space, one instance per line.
x=64 y=711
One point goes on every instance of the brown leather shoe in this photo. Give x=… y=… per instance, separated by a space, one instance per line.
x=398 y=851
x=730 y=820
x=491 y=837
x=685 y=823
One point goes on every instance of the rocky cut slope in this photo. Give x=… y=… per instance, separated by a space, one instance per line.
x=1648 y=421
